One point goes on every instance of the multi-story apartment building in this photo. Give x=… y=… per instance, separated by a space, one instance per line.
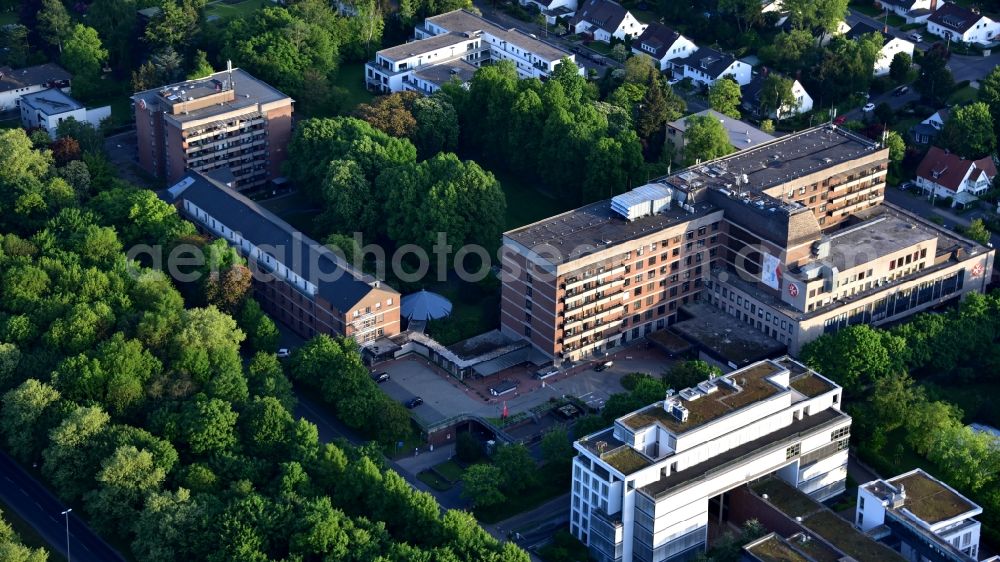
x=226 y=120
x=451 y=46
x=924 y=518
x=297 y=280
x=643 y=489
x=791 y=236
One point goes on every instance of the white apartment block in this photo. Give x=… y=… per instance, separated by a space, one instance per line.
x=641 y=488
x=452 y=46
x=921 y=513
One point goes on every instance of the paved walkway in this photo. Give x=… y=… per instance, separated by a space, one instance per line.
x=425 y=459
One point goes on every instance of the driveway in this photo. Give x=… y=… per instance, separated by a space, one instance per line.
x=964 y=67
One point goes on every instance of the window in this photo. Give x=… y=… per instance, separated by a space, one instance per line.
x=840 y=433
x=793 y=451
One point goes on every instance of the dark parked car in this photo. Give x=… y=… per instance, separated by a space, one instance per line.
x=604 y=366
x=900 y=91
x=414 y=402
x=380 y=377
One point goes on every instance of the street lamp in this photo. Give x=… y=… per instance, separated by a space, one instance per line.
x=66 y=515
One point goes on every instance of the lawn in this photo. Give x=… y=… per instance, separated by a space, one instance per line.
x=27 y=533
x=963 y=96
x=450 y=471
x=434 y=481
x=551 y=485
x=895 y=21
x=226 y=11
x=351 y=77
x=600 y=47
x=525 y=203
x=866 y=8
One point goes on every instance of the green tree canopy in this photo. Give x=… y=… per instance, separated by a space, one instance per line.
x=705 y=139
x=969 y=131
x=724 y=97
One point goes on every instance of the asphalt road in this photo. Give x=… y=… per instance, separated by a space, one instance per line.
x=35 y=504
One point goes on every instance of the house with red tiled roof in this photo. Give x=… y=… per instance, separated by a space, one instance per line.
x=947 y=175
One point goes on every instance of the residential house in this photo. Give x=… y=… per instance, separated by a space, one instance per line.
x=16 y=83
x=891 y=46
x=927 y=130
x=924 y=516
x=956 y=23
x=944 y=174
x=663 y=45
x=48 y=108
x=297 y=280
x=706 y=65
x=553 y=9
x=742 y=135
x=752 y=94
x=604 y=19
x=451 y=46
x=915 y=11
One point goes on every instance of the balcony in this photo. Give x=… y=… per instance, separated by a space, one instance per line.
x=574 y=282
x=599 y=327
x=597 y=299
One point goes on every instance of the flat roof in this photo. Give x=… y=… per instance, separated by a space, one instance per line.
x=928 y=498
x=772 y=441
x=876 y=237
x=464 y=21
x=423 y=46
x=52 y=101
x=776 y=162
x=443 y=73
x=724 y=336
x=595 y=227
x=743 y=175
x=773 y=548
x=741 y=134
x=755 y=387
x=249 y=93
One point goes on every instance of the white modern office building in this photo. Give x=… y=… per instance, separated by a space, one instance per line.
x=927 y=518
x=452 y=46
x=642 y=489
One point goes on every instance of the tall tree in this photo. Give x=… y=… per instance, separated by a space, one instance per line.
x=936 y=81
x=969 y=131
x=391 y=114
x=54 y=23
x=705 y=139
x=989 y=93
x=724 y=97
x=83 y=55
x=899 y=68
x=116 y=21
x=200 y=67
x=776 y=96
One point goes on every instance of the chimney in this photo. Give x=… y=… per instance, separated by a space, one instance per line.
x=229 y=70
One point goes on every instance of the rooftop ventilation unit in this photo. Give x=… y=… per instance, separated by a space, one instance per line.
x=690 y=394
x=679 y=412
x=707 y=387
x=642 y=201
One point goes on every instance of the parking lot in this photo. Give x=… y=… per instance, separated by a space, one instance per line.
x=444 y=396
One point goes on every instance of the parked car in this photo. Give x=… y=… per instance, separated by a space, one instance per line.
x=916 y=37
x=284 y=353
x=604 y=366
x=380 y=377
x=840 y=120
x=868 y=107
x=900 y=91
x=414 y=402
